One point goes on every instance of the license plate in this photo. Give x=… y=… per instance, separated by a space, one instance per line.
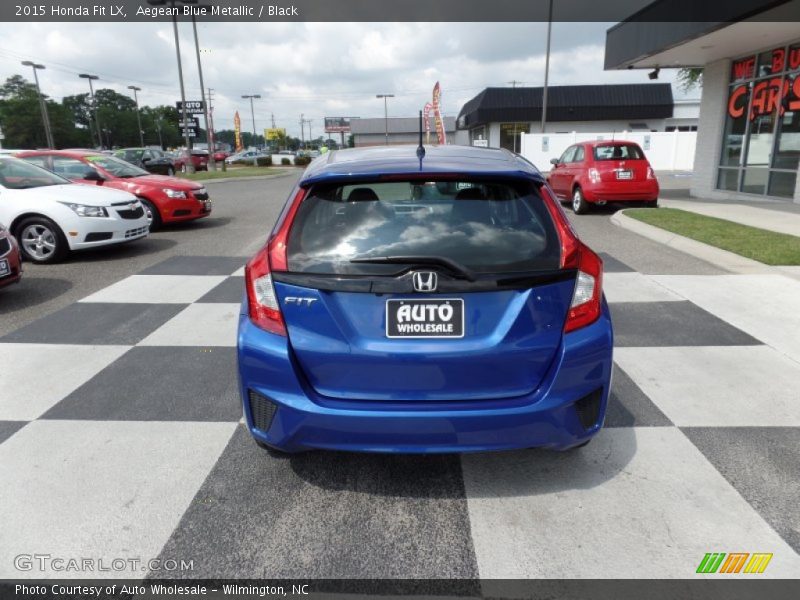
x=425 y=318
x=207 y=205
x=4 y=268
x=624 y=174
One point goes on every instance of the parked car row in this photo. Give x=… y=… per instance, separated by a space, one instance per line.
x=58 y=201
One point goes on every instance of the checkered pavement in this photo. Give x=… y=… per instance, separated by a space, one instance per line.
x=120 y=436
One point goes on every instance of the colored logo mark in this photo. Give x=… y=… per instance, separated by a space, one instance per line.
x=735 y=562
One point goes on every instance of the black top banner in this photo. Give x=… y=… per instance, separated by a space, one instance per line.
x=390 y=10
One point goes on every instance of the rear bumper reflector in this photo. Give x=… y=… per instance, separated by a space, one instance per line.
x=588 y=408
x=262 y=409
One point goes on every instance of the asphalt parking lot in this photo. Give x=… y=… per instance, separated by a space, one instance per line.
x=120 y=431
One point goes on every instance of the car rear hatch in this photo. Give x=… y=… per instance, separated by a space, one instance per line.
x=424 y=290
x=621 y=162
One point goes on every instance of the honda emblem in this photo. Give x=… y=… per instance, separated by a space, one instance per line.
x=425 y=281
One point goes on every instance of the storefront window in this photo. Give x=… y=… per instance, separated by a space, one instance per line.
x=509 y=135
x=761 y=140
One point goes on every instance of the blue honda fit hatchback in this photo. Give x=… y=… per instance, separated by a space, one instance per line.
x=440 y=303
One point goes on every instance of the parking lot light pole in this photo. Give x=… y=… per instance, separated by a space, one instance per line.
x=48 y=134
x=184 y=114
x=138 y=116
x=385 y=113
x=253 y=116
x=91 y=78
x=212 y=164
x=546 y=67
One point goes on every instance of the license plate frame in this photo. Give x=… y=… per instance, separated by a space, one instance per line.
x=5 y=267
x=625 y=174
x=392 y=326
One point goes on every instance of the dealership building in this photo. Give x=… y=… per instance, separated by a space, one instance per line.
x=748 y=140
x=401 y=130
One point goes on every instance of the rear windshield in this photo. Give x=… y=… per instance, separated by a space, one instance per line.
x=618 y=152
x=484 y=226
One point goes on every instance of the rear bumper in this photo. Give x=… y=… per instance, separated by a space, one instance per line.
x=14 y=264
x=548 y=418
x=621 y=192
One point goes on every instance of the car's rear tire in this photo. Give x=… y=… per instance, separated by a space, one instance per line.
x=170 y=171
x=579 y=204
x=153 y=216
x=41 y=241
x=651 y=204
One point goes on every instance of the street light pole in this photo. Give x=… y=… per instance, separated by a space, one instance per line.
x=48 y=134
x=547 y=67
x=94 y=106
x=138 y=116
x=212 y=165
x=253 y=116
x=385 y=113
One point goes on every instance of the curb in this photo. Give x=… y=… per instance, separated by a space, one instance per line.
x=716 y=256
x=245 y=178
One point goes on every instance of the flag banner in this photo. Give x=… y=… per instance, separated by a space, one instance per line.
x=237 y=131
x=437 y=113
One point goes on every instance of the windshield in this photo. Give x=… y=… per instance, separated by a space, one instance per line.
x=129 y=155
x=116 y=166
x=16 y=174
x=618 y=152
x=481 y=226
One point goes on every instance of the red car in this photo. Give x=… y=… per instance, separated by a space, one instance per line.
x=199 y=160
x=603 y=171
x=166 y=199
x=10 y=263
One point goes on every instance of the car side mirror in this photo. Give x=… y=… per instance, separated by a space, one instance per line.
x=146 y=159
x=93 y=175
x=554 y=161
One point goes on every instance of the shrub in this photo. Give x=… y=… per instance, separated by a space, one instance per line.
x=286 y=161
x=302 y=161
x=264 y=161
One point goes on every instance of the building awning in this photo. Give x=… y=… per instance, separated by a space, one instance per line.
x=640 y=101
x=647 y=39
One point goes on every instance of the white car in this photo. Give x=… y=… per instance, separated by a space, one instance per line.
x=50 y=215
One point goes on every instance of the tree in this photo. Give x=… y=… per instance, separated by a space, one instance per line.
x=689 y=78
x=21 y=114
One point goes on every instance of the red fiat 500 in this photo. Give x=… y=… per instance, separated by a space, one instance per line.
x=10 y=264
x=603 y=171
x=166 y=199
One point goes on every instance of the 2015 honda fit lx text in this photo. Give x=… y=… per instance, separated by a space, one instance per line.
x=428 y=301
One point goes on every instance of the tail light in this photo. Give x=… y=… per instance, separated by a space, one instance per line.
x=594 y=175
x=650 y=173
x=587 y=297
x=263 y=307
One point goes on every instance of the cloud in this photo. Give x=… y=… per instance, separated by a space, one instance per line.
x=318 y=69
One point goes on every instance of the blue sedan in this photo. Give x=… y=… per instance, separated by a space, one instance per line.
x=428 y=301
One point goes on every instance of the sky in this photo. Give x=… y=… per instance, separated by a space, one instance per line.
x=314 y=69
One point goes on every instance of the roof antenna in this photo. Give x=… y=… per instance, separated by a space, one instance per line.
x=420 y=148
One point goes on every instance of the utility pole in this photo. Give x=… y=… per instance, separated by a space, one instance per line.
x=212 y=165
x=253 y=115
x=514 y=83
x=138 y=116
x=547 y=67
x=94 y=106
x=302 y=131
x=310 y=137
x=48 y=134
x=213 y=136
x=272 y=116
x=385 y=113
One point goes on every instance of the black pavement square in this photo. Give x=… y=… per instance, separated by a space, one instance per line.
x=612 y=265
x=197 y=265
x=629 y=406
x=9 y=428
x=762 y=464
x=230 y=290
x=327 y=515
x=97 y=323
x=161 y=383
x=643 y=324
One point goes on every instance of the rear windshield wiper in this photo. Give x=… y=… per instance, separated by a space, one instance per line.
x=439 y=261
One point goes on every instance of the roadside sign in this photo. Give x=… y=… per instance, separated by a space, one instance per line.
x=481 y=143
x=193 y=107
x=275 y=133
x=337 y=124
x=190 y=122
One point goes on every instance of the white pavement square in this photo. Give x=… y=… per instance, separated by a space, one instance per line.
x=238 y=272
x=198 y=325
x=717 y=386
x=765 y=306
x=647 y=496
x=100 y=489
x=157 y=289
x=40 y=375
x=635 y=287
